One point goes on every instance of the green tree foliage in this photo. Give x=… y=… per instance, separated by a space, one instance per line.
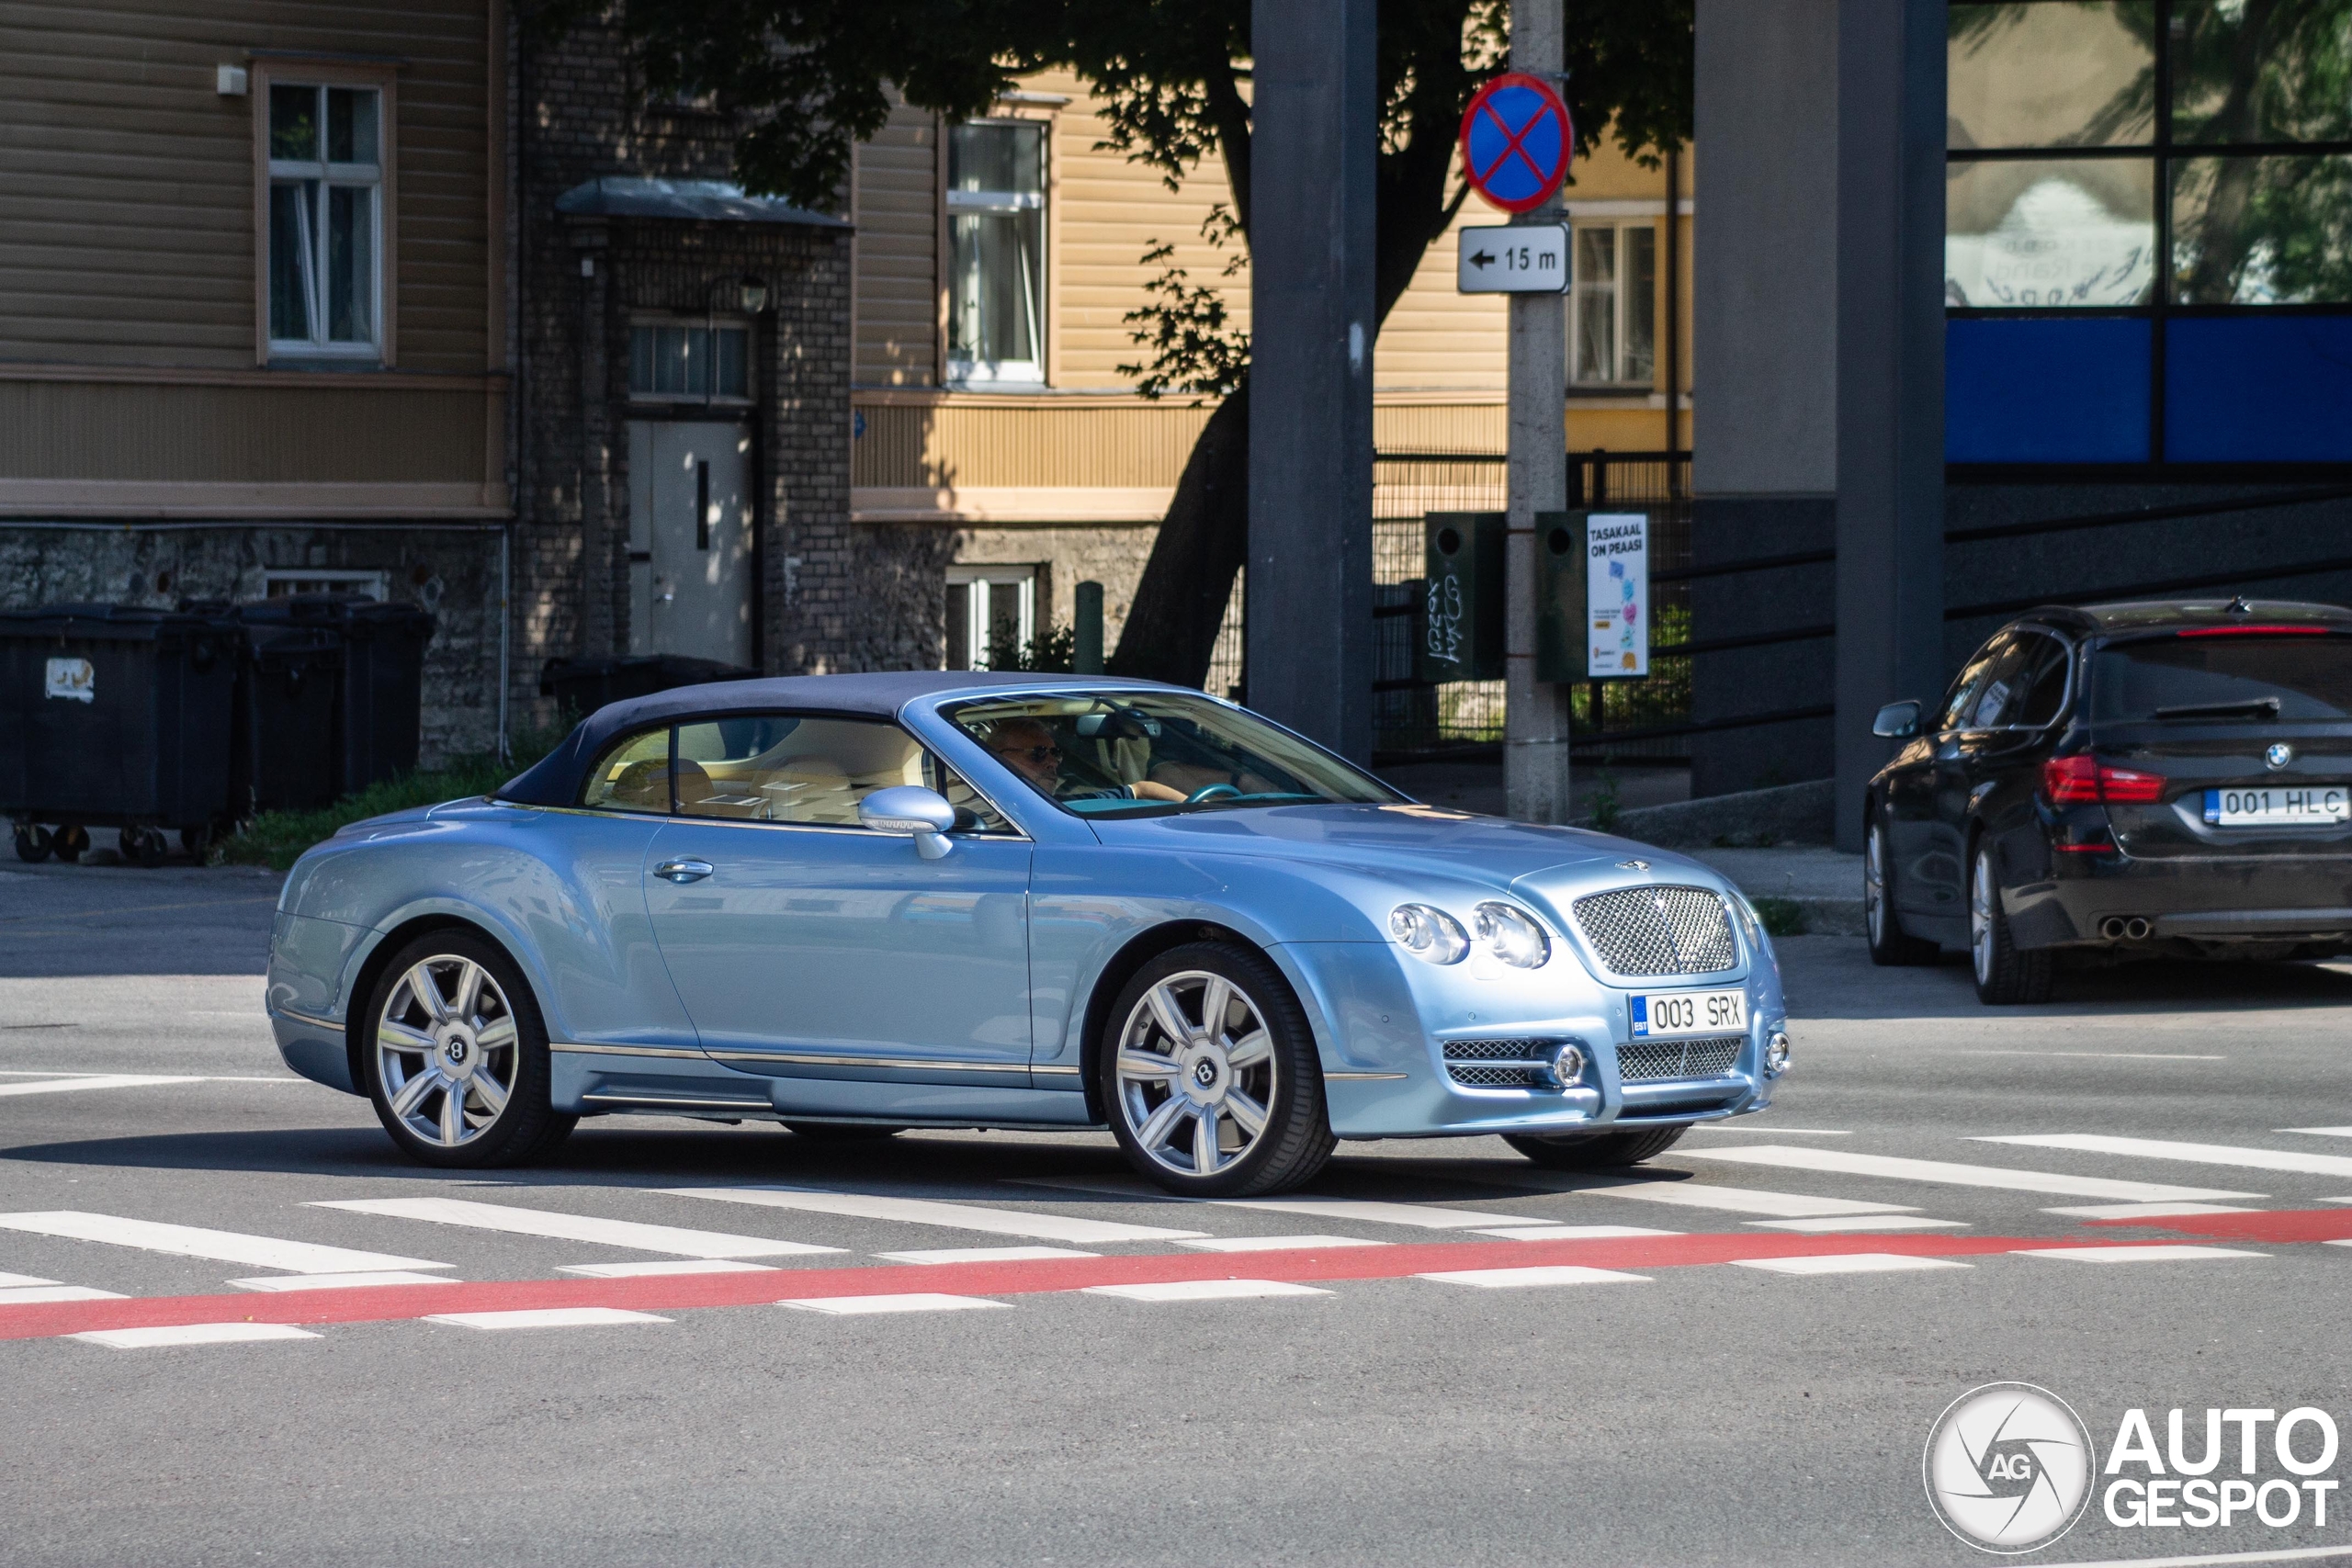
x=807 y=79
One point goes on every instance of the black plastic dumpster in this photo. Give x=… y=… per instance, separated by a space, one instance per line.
x=114 y=715
x=583 y=685
x=380 y=695
x=282 y=733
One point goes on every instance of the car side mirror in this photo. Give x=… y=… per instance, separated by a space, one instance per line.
x=911 y=810
x=1897 y=721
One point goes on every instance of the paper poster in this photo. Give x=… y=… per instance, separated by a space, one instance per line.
x=1617 y=593
x=72 y=679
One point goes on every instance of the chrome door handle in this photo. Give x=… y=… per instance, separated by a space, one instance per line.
x=683 y=870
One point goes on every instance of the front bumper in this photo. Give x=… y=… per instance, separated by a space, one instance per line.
x=1389 y=1077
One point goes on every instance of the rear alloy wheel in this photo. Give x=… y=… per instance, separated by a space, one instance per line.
x=32 y=844
x=2005 y=974
x=1596 y=1151
x=1889 y=944
x=456 y=1057
x=1211 y=1078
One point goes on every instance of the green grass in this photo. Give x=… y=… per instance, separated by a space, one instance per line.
x=1781 y=917
x=276 y=839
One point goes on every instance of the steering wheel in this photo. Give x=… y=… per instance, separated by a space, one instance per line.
x=1214 y=792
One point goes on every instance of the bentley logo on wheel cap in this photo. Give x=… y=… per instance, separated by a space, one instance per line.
x=2280 y=755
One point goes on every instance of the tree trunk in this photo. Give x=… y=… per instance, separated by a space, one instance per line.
x=1171 y=627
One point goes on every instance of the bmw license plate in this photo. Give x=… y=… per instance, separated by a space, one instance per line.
x=2303 y=806
x=1664 y=1013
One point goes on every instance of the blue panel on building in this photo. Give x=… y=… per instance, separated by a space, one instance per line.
x=2046 y=389
x=2258 y=390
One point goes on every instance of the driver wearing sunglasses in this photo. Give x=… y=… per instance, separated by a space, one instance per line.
x=1028 y=748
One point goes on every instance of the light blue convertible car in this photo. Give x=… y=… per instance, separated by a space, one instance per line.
x=858 y=904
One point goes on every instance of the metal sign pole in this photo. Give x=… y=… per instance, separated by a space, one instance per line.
x=1536 y=724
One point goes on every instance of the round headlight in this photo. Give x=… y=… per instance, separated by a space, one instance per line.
x=1776 y=1054
x=1428 y=934
x=1512 y=934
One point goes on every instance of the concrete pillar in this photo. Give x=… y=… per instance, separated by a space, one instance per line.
x=1536 y=730
x=1313 y=141
x=1890 y=374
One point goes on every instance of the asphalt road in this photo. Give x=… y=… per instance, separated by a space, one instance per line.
x=1705 y=1410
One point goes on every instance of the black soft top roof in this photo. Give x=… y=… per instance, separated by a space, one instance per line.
x=556 y=779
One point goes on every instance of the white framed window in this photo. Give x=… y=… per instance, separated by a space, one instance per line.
x=991 y=614
x=280 y=582
x=692 y=361
x=325 y=218
x=1612 y=311
x=996 y=252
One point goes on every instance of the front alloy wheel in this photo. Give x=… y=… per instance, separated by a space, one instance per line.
x=457 y=1058
x=1212 y=1077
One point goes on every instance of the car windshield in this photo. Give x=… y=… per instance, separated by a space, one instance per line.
x=2221 y=678
x=1154 y=753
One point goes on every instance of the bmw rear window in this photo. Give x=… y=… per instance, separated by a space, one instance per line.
x=2221 y=678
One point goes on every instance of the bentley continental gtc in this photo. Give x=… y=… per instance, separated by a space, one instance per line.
x=859 y=904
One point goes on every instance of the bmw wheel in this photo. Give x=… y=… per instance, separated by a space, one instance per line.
x=2005 y=974
x=455 y=1056
x=1210 y=1076
x=1596 y=1151
x=1889 y=944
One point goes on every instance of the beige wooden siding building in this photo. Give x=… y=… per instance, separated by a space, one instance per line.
x=1062 y=472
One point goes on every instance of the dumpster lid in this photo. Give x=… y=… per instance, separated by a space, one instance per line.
x=117 y=623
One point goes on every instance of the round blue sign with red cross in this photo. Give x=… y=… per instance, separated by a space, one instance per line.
x=1516 y=141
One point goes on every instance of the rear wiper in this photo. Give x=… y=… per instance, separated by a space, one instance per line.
x=2267 y=707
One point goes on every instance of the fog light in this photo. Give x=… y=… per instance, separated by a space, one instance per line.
x=1568 y=1066
x=1776 y=1054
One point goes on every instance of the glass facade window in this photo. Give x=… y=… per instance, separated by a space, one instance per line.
x=2167 y=185
x=325 y=262
x=996 y=245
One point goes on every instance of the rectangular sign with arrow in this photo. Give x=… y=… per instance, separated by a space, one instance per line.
x=1516 y=259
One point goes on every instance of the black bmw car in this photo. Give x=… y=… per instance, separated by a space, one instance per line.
x=2166 y=779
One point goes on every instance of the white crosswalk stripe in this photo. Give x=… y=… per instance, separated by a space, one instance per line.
x=1868 y=1223
x=1706 y=1195
x=221 y=1247
x=93 y=1080
x=1847 y=1263
x=664 y=1266
x=931 y=1212
x=1278 y=1243
x=2146 y=1211
x=543 y=1317
x=2193 y=1153
x=35 y=1295
x=2153 y=1254
x=1568 y=1233
x=191 y=1334
x=342 y=1281
x=559 y=1226
x=1204 y=1290
x=1522 y=1279
x=938 y=1255
x=912 y=1300
x=1949 y=1173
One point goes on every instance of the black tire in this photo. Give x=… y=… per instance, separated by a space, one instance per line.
x=2005 y=975
x=196 y=838
x=33 y=844
x=68 y=842
x=1596 y=1151
x=1294 y=1136
x=525 y=1126
x=145 y=845
x=1890 y=945
x=841 y=1131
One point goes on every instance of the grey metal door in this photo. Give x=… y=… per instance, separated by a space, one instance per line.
x=690 y=539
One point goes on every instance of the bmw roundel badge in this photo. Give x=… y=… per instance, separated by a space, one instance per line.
x=2278 y=756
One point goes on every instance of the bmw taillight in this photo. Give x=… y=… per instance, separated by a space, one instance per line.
x=2083 y=780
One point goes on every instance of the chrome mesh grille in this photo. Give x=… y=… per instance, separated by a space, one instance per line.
x=1492 y=1050
x=1658 y=931
x=1651 y=1061
x=1478 y=1076
x=1517 y=1063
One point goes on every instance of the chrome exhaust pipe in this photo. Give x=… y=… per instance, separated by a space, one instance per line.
x=2111 y=927
x=2136 y=928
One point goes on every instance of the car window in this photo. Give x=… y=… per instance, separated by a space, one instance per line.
x=2219 y=678
x=1961 y=702
x=634 y=776
x=782 y=768
x=1997 y=697
x=2041 y=681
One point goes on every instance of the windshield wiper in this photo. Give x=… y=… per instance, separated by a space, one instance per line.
x=2267 y=707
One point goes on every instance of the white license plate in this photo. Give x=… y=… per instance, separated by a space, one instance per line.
x=2274 y=805
x=1664 y=1013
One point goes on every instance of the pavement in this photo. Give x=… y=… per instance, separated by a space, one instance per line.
x=1824 y=884
x=1733 y=1357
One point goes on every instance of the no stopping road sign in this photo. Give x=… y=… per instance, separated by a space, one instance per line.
x=1516 y=142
